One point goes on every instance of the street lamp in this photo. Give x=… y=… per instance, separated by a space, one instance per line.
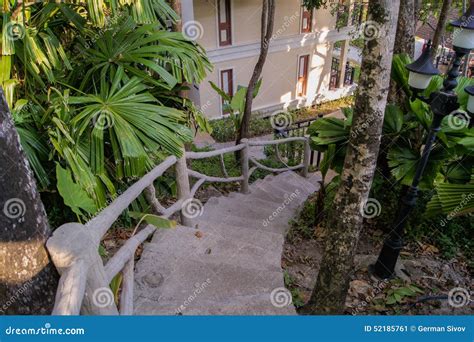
x=442 y=103
x=421 y=71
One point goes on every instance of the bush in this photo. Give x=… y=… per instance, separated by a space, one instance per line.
x=449 y=236
x=223 y=129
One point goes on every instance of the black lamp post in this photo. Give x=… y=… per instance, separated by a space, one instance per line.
x=442 y=103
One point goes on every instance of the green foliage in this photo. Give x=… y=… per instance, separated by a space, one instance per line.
x=73 y=194
x=234 y=104
x=157 y=221
x=403 y=135
x=398 y=294
x=290 y=283
x=223 y=130
x=94 y=87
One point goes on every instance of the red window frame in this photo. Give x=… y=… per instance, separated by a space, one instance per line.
x=227 y=87
x=224 y=22
x=303 y=67
x=306 y=20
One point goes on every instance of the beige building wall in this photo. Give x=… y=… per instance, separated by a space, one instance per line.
x=280 y=72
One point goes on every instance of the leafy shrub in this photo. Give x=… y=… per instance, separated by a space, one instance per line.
x=223 y=129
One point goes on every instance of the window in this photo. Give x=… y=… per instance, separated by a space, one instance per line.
x=224 y=22
x=349 y=74
x=306 y=20
x=334 y=82
x=303 y=62
x=227 y=85
x=359 y=12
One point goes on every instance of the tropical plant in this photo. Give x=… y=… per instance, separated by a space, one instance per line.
x=404 y=133
x=95 y=91
x=235 y=104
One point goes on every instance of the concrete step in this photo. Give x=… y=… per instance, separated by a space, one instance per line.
x=243 y=305
x=172 y=246
x=218 y=282
x=230 y=261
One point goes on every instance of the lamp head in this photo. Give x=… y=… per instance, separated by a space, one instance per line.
x=422 y=70
x=463 y=35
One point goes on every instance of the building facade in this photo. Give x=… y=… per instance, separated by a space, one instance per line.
x=308 y=60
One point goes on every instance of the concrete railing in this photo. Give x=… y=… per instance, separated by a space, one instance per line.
x=84 y=282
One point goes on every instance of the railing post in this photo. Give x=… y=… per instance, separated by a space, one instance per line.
x=244 y=160
x=182 y=181
x=306 y=158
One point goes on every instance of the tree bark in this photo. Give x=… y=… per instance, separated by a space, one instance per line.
x=345 y=220
x=268 y=16
x=404 y=43
x=176 y=6
x=440 y=27
x=28 y=280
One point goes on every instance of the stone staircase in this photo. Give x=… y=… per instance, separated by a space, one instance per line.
x=229 y=262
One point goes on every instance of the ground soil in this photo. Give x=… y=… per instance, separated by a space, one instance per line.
x=420 y=265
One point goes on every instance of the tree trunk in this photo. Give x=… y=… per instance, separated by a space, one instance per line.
x=345 y=220
x=268 y=16
x=440 y=27
x=176 y=6
x=404 y=43
x=28 y=280
x=405 y=37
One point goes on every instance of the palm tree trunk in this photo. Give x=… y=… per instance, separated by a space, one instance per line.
x=28 y=280
x=404 y=43
x=268 y=16
x=440 y=27
x=176 y=6
x=345 y=219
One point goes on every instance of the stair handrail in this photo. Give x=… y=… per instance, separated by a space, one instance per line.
x=74 y=247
